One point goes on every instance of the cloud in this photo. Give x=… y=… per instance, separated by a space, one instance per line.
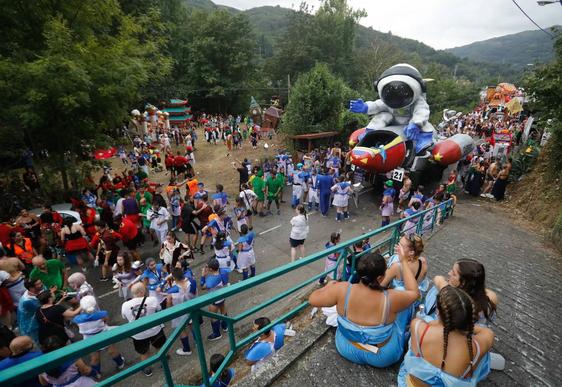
x=440 y=23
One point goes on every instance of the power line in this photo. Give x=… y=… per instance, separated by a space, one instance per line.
x=532 y=21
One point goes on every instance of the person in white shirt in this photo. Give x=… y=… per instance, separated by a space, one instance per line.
x=299 y=232
x=140 y=306
x=249 y=198
x=158 y=217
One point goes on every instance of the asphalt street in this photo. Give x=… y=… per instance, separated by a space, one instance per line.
x=272 y=250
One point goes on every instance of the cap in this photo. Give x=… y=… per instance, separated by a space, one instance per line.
x=200 y=184
x=389 y=183
x=137 y=265
x=299 y=165
x=197 y=196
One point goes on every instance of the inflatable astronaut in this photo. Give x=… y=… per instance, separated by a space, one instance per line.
x=402 y=101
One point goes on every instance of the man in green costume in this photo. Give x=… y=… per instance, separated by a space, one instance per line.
x=274 y=185
x=258 y=185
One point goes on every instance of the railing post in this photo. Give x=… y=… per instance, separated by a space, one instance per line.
x=395 y=238
x=200 y=350
x=166 y=369
x=434 y=217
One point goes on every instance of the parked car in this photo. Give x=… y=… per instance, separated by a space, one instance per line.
x=64 y=209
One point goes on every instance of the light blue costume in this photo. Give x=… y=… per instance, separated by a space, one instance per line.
x=434 y=376
x=225 y=260
x=410 y=226
x=214 y=282
x=358 y=343
x=228 y=379
x=156 y=279
x=27 y=322
x=405 y=316
x=261 y=350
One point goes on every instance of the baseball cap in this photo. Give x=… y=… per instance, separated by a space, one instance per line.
x=389 y=183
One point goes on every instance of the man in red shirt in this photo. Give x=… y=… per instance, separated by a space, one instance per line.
x=128 y=231
x=180 y=163
x=105 y=240
x=170 y=163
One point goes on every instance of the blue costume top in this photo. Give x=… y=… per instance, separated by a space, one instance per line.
x=324 y=183
x=213 y=282
x=261 y=350
x=219 y=383
x=13 y=361
x=221 y=225
x=389 y=192
x=155 y=278
x=247 y=241
x=434 y=376
x=379 y=346
x=221 y=196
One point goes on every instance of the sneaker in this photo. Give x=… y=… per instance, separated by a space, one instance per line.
x=240 y=271
x=147 y=371
x=181 y=352
x=84 y=269
x=212 y=337
x=483 y=195
x=122 y=365
x=278 y=212
x=225 y=329
x=116 y=286
x=104 y=279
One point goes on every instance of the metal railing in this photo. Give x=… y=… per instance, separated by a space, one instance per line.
x=423 y=221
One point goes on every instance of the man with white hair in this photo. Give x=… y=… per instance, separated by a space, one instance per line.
x=142 y=305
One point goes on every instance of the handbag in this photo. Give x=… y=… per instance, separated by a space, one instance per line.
x=249 y=211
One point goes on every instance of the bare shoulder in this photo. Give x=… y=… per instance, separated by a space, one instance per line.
x=492 y=296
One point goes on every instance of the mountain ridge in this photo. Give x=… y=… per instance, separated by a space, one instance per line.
x=518 y=49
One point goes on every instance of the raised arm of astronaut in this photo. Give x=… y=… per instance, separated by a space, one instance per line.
x=382 y=114
x=420 y=113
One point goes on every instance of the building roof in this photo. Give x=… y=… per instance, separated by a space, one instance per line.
x=186 y=117
x=176 y=110
x=175 y=101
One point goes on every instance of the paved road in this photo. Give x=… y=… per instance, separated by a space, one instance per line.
x=272 y=250
x=525 y=274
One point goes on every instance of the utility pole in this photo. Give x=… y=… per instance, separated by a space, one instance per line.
x=288 y=85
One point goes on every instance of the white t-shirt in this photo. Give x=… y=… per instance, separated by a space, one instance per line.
x=130 y=309
x=299 y=231
x=248 y=196
x=156 y=217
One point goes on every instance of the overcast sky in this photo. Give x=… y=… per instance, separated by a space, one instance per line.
x=440 y=23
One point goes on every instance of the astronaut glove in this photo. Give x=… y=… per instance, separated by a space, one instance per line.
x=358 y=106
x=412 y=131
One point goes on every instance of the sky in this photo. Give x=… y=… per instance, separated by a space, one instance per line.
x=440 y=23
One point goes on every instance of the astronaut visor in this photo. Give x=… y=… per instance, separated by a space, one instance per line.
x=397 y=94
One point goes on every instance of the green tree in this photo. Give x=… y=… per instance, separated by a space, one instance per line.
x=78 y=77
x=544 y=86
x=216 y=63
x=316 y=103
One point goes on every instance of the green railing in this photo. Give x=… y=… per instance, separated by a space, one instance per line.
x=193 y=310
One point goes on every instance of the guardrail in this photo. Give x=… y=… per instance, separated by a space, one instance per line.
x=423 y=221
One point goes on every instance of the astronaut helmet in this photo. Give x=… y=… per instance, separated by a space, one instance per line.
x=400 y=86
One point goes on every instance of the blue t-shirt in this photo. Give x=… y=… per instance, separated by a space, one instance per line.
x=27 y=322
x=15 y=360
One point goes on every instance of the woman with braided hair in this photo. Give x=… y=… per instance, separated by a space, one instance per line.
x=412 y=246
x=470 y=276
x=368 y=329
x=449 y=351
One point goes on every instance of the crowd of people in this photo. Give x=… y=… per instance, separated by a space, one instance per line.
x=45 y=307
x=486 y=171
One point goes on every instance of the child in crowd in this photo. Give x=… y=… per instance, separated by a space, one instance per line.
x=246 y=256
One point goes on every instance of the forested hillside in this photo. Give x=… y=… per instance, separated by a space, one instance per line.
x=517 y=50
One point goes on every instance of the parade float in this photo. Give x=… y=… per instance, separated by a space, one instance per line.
x=399 y=136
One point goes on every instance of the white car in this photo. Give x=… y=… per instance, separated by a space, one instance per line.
x=64 y=209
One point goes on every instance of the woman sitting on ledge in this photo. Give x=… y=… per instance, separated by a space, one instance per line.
x=368 y=332
x=449 y=351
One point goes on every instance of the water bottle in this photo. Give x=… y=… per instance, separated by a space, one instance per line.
x=421 y=311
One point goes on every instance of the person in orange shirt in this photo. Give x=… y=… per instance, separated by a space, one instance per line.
x=192 y=185
x=22 y=248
